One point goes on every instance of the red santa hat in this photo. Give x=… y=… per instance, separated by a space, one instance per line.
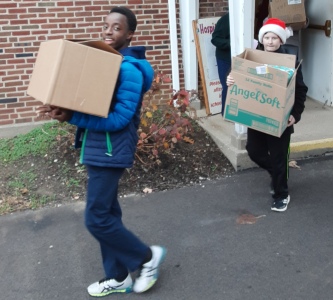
x=276 y=26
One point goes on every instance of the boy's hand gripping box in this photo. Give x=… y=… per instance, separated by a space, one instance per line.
x=262 y=96
x=76 y=75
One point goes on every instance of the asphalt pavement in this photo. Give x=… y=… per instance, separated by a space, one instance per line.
x=223 y=242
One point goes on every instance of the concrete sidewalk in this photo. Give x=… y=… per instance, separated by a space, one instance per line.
x=313 y=134
x=223 y=242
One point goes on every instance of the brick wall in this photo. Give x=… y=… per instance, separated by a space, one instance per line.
x=26 y=23
x=212 y=8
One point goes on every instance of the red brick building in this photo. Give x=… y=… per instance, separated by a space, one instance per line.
x=26 y=23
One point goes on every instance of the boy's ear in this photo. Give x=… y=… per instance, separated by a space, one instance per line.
x=130 y=35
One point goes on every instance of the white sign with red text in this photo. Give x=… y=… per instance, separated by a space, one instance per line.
x=205 y=28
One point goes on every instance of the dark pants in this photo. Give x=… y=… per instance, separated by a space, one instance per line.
x=272 y=154
x=122 y=251
x=223 y=68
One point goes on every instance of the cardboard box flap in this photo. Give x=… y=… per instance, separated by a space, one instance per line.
x=97 y=44
x=297 y=67
x=271 y=75
x=100 y=45
x=40 y=83
x=263 y=57
x=251 y=60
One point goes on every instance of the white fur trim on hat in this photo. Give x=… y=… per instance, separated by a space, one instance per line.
x=283 y=33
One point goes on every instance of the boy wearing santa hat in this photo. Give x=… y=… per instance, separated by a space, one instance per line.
x=269 y=152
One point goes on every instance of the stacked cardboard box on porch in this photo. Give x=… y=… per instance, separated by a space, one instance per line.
x=262 y=96
x=292 y=12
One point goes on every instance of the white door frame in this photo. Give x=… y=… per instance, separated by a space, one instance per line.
x=241 y=15
x=174 y=44
x=189 y=11
x=317 y=52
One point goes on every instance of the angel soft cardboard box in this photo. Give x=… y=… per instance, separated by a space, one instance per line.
x=263 y=94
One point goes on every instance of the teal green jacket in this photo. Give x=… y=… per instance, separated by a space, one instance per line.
x=221 y=39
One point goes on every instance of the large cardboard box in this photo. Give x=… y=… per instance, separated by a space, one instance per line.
x=77 y=75
x=261 y=97
x=292 y=12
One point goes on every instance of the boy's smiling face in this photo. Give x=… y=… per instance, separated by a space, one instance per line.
x=115 y=31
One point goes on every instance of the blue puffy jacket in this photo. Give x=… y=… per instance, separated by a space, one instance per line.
x=111 y=141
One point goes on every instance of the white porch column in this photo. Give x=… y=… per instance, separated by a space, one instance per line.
x=241 y=13
x=174 y=44
x=189 y=11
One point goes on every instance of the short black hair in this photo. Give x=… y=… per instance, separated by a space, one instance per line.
x=131 y=18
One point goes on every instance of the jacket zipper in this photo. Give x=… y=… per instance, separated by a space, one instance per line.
x=83 y=145
x=108 y=144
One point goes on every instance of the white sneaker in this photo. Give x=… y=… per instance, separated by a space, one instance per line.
x=281 y=205
x=109 y=286
x=149 y=271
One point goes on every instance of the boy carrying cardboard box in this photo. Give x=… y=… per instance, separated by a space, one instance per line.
x=268 y=140
x=107 y=149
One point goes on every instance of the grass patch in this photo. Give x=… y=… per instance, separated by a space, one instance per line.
x=40 y=201
x=11 y=203
x=24 y=179
x=36 y=142
x=4 y=208
x=39 y=168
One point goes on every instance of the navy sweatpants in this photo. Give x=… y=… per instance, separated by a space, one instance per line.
x=272 y=154
x=122 y=251
x=223 y=68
